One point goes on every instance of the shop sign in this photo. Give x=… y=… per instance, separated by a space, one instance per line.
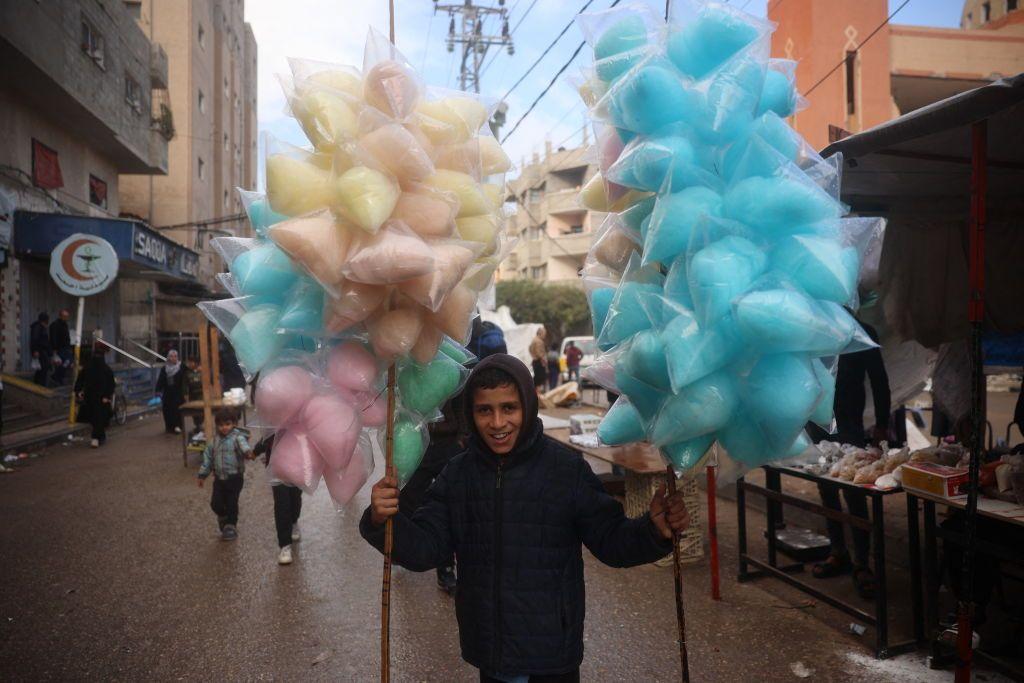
x=83 y=265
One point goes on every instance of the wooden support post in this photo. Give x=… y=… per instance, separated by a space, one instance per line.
x=713 y=532
x=205 y=362
x=218 y=391
x=677 y=573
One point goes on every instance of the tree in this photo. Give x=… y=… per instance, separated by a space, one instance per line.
x=562 y=309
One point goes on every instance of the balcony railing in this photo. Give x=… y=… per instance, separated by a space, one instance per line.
x=157 y=66
x=563 y=201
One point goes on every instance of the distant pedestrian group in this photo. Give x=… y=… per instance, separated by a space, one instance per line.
x=51 y=349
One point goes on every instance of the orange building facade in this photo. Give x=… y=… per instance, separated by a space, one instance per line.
x=901 y=68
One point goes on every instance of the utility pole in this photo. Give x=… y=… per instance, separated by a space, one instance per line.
x=472 y=39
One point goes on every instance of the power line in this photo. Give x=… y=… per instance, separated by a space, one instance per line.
x=512 y=32
x=857 y=49
x=203 y=224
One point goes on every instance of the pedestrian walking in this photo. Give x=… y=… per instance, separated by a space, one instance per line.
x=516 y=508
x=170 y=387
x=40 y=348
x=230 y=371
x=94 y=389
x=60 y=343
x=287 y=505
x=538 y=356
x=573 y=356
x=554 y=370
x=225 y=457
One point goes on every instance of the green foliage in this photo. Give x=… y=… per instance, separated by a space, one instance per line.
x=562 y=309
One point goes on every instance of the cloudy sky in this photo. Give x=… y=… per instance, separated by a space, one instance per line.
x=335 y=31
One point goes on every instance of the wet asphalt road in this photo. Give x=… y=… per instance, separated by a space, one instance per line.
x=112 y=570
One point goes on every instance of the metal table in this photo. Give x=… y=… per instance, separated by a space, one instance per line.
x=776 y=499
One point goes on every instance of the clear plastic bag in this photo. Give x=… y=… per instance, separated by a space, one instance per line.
x=781 y=392
x=687 y=456
x=390 y=83
x=620 y=36
x=455 y=316
x=393 y=333
x=622 y=424
x=429 y=213
x=399 y=151
x=354 y=303
x=614 y=244
x=675 y=218
x=251 y=331
x=351 y=367
x=366 y=197
x=668 y=161
x=303 y=309
x=319 y=243
x=452 y=259
x=298 y=181
x=281 y=394
x=779 y=204
x=409 y=445
x=393 y=255
x=343 y=485
x=296 y=460
x=704 y=36
x=332 y=425
x=639 y=291
x=423 y=389
x=258 y=268
x=257 y=208
x=779 y=94
x=702 y=407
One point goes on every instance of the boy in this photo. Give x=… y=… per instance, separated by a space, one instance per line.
x=515 y=508
x=225 y=456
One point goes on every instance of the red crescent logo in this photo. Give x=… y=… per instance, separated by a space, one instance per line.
x=68 y=262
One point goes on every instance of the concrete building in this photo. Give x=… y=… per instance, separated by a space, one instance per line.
x=78 y=90
x=900 y=69
x=211 y=54
x=554 y=230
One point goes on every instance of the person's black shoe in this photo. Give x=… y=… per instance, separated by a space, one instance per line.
x=446 y=579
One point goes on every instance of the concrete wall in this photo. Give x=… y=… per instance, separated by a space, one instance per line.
x=952 y=53
x=973 y=16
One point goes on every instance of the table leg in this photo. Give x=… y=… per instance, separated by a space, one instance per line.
x=931 y=560
x=184 y=444
x=741 y=528
x=881 y=591
x=773 y=483
x=914 y=541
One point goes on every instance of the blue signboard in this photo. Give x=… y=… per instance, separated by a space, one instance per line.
x=36 y=234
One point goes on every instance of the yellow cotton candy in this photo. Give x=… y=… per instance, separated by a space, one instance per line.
x=629 y=199
x=452 y=120
x=342 y=81
x=592 y=91
x=464 y=158
x=472 y=200
x=594 y=194
x=483 y=229
x=366 y=197
x=479 y=276
x=494 y=193
x=492 y=157
x=326 y=118
x=295 y=187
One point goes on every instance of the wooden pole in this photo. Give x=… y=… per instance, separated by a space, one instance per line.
x=73 y=414
x=716 y=593
x=678 y=575
x=204 y=361
x=389 y=538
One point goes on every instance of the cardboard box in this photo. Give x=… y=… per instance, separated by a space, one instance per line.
x=937 y=480
x=584 y=423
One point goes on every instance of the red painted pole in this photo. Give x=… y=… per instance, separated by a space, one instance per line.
x=713 y=533
x=976 y=315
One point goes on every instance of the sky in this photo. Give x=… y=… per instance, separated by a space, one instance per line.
x=336 y=31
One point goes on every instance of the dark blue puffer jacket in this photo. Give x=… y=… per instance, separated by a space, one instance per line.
x=516 y=525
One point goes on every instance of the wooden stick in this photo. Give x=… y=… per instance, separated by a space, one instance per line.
x=716 y=593
x=218 y=390
x=678 y=575
x=204 y=361
x=389 y=539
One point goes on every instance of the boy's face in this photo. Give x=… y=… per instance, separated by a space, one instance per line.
x=224 y=428
x=498 y=415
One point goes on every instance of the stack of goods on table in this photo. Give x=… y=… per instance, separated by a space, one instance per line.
x=371 y=249
x=722 y=282
x=878 y=467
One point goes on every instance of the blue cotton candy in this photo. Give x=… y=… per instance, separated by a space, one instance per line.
x=674 y=220
x=783 y=320
x=265 y=270
x=677 y=287
x=700 y=408
x=731 y=101
x=821 y=266
x=777 y=133
x=621 y=425
x=304 y=310
x=644 y=398
x=703 y=45
x=600 y=301
x=261 y=216
x=686 y=455
x=800 y=444
x=653 y=97
x=626 y=34
x=778 y=94
x=692 y=353
x=627 y=136
x=644 y=359
x=722 y=271
x=612 y=68
x=843 y=330
x=668 y=162
x=254 y=339
x=782 y=391
x=298 y=342
x=630 y=313
x=822 y=414
x=753 y=157
x=636 y=216
x=778 y=205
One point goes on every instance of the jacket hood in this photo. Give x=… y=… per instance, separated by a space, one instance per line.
x=530 y=430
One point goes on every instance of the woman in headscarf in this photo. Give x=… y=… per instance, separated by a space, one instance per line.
x=171 y=388
x=94 y=388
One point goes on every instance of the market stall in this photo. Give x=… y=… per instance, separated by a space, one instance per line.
x=948 y=176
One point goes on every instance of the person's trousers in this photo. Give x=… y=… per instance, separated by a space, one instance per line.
x=567 y=677
x=287 y=506
x=99 y=427
x=540 y=373
x=574 y=373
x=857 y=504
x=553 y=373
x=224 y=499
x=41 y=374
x=67 y=357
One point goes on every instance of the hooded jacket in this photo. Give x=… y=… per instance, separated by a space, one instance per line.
x=517 y=524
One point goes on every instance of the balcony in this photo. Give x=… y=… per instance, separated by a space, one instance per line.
x=563 y=201
x=157 y=67
x=577 y=244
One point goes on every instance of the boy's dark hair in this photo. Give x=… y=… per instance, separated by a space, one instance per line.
x=489 y=378
x=225 y=415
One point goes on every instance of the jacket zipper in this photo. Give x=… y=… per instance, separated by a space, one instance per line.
x=497 y=571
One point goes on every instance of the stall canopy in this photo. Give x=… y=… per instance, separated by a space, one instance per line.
x=916 y=171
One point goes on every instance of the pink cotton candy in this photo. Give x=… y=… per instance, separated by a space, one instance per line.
x=355 y=303
x=429 y=213
x=350 y=366
x=425 y=348
x=395 y=332
x=333 y=427
x=394 y=254
x=611 y=148
x=343 y=485
x=455 y=314
x=451 y=260
x=391 y=88
x=281 y=393
x=373 y=406
x=397 y=150
x=296 y=461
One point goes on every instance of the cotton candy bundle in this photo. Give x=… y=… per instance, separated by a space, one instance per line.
x=718 y=283
x=372 y=247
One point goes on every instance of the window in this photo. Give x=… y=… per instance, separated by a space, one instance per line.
x=92 y=44
x=536 y=193
x=135 y=8
x=201 y=36
x=97 y=192
x=226 y=92
x=986 y=12
x=225 y=142
x=851 y=85
x=132 y=93
x=539 y=272
x=1011 y=5
x=225 y=198
x=202 y=102
x=45 y=167
x=575 y=230
x=202 y=169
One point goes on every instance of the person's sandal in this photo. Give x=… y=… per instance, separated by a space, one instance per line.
x=864 y=581
x=832 y=566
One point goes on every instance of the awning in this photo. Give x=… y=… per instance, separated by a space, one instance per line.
x=143 y=252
